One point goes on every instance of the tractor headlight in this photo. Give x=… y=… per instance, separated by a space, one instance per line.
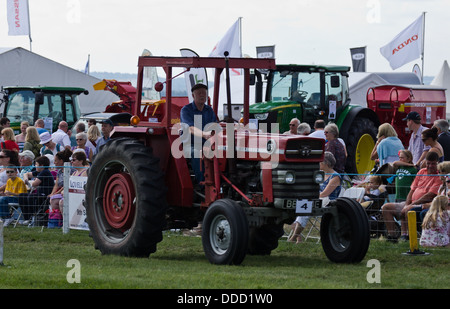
x=286 y=177
x=262 y=116
x=319 y=176
x=289 y=178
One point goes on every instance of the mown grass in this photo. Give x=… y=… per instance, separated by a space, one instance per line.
x=38 y=259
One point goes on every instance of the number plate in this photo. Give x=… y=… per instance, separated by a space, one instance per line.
x=303 y=206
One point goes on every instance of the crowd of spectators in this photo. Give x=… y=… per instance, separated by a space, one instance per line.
x=420 y=176
x=32 y=167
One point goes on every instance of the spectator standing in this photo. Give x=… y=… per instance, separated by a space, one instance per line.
x=303 y=129
x=443 y=137
x=20 y=138
x=334 y=146
x=319 y=127
x=93 y=137
x=423 y=189
x=436 y=224
x=91 y=122
x=49 y=147
x=81 y=139
x=39 y=124
x=4 y=122
x=429 y=138
x=60 y=136
x=107 y=127
x=293 y=125
x=9 y=140
x=387 y=146
x=416 y=145
x=33 y=141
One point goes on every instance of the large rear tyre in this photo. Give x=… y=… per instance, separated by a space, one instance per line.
x=125 y=199
x=225 y=233
x=346 y=237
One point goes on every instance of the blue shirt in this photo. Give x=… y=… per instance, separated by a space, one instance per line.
x=189 y=111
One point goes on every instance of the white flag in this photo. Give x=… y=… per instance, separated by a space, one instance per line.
x=230 y=43
x=406 y=46
x=18 y=19
x=194 y=75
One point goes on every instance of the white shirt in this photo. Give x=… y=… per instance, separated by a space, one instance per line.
x=318 y=133
x=61 y=137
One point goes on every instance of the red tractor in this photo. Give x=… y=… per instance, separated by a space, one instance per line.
x=140 y=183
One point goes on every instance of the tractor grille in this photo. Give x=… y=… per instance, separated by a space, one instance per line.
x=304 y=186
x=304 y=149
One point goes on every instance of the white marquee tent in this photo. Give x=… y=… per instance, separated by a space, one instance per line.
x=20 y=67
x=442 y=79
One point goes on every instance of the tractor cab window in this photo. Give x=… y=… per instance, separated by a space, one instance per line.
x=21 y=106
x=301 y=87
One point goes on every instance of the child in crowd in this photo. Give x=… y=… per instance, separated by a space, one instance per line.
x=436 y=224
x=14 y=186
x=373 y=188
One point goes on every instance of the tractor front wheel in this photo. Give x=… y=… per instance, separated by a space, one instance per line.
x=225 y=233
x=345 y=237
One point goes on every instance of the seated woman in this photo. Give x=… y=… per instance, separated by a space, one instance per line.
x=387 y=146
x=41 y=187
x=58 y=189
x=329 y=189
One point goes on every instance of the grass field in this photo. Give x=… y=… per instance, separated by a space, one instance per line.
x=38 y=259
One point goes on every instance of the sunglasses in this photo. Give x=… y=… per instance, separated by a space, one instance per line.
x=2 y=157
x=10 y=172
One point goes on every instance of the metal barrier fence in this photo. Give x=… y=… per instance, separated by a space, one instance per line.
x=41 y=215
x=31 y=209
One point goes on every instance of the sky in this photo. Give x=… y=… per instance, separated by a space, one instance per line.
x=114 y=32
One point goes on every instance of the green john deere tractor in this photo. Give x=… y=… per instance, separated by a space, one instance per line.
x=311 y=92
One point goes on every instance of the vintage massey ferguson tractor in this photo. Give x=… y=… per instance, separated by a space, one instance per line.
x=141 y=182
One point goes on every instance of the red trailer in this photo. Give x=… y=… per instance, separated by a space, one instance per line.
x=393 y=102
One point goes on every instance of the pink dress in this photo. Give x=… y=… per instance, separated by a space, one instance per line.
x=437 y=236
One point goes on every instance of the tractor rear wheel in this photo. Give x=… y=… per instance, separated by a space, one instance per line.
x=225 y=233
x=346 y=237
x=125 y=199
x=360 y=142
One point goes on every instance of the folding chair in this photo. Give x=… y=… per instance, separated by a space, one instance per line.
x=14 y=208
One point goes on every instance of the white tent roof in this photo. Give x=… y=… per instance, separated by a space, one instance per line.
x=442 y=79
x=20 y=67
x=360 y=82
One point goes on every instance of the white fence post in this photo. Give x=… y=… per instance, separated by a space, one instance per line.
x=1 y=242
x=66 y=198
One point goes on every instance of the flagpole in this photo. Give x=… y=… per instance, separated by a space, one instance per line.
x=240 y=34
x=423 y=43
x=29 y=25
